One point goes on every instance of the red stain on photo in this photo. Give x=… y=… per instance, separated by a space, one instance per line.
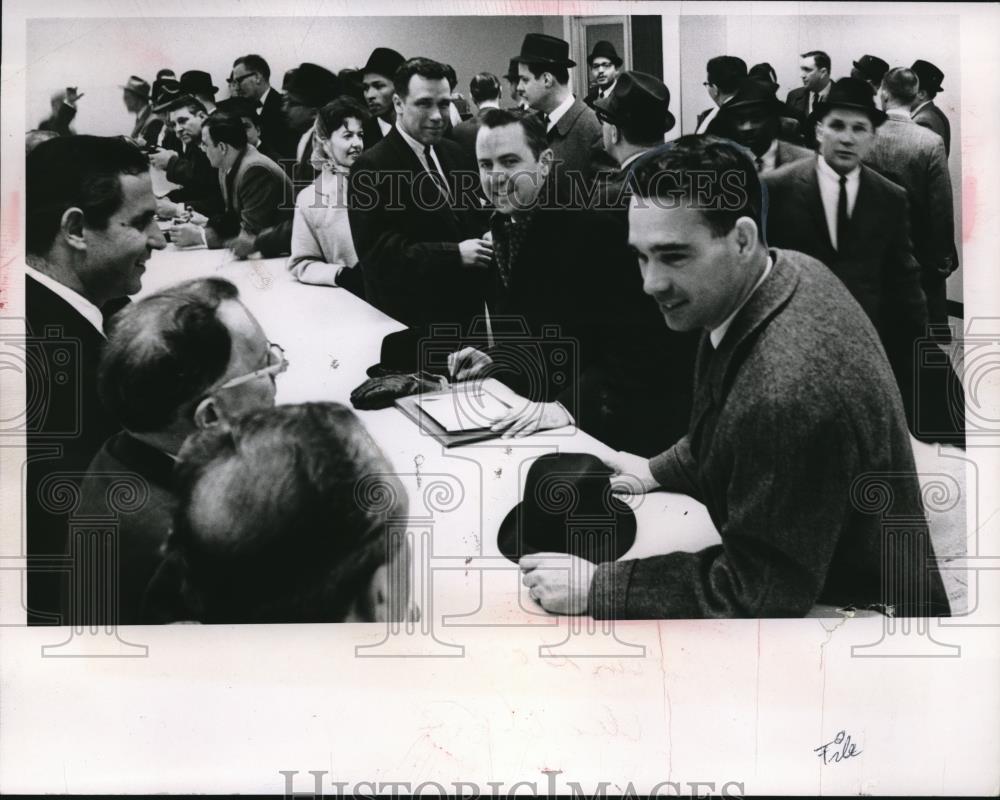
x=968 y=206
x=10 y=240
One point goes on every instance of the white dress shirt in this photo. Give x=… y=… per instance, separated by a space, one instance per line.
x=418 y=148
x=829 y=190
x=708 y=118
x=768 y=160
x=716 y=334
x=384 y=126
x=556 y=114
x=80 y=304
x=819 y=96
x=602 y=93
x=263 y=97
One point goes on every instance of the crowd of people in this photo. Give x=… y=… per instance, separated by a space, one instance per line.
x=746 y=302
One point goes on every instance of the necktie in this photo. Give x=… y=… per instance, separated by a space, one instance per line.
x=436 y=176
x=600 y=94
x=842 y=218
x=813 y=97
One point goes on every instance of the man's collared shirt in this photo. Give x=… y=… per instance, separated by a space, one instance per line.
x=384 y=126
x=913 y=113
x=716 y=335
x=418 y=148
x=557 y=113
x=261 y=99
x=770 y=158
x=81 y=304
x=708 y=118
x=602 y=93
x=816 y=97
x=899 y=113
x=829 y=190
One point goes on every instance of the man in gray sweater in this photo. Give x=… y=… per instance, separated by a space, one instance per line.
x=797 y=425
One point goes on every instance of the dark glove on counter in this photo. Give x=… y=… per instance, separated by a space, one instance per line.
x=380 y=392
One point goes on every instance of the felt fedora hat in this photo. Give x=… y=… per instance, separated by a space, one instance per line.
x=544 y=50
x=604 y=49
x=165 y=92
x=930 y=77
x=383 y=61
x=137 y=86
x=850 y=93
x=753 y=92
x=872 y=68
x=568 y=507
x=313 y=85
x=636 y=96
x=195 y=81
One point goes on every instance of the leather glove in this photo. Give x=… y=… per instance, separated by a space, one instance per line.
x=380 y=392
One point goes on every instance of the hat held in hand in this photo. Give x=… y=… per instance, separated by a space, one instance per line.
x=568 y=507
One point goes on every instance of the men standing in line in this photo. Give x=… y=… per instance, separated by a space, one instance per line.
x=856 y=222
x=572 y=129
x=377 y=82
x=924 y=112
x=90 y=228
x=186 y=358
x=753 y=118
x=251 y=78
x=415 y=213
x=814 y=67
x=724 y=74
x=794 y=404
x=604 y=63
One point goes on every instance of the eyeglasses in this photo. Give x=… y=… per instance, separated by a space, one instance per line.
x=236 y=80
x=277 y=363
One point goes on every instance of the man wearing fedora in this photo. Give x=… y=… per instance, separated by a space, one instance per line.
x=310 y=88
x=513 y=78
x=924 y=112
x=723 y=75
x=753 y=118
x=653 y=376
x=63 y=106
x=845 y=214
x=572 y=129
x=870 y=69
x=795 y=404
x=135 y=95
x=199 y=85
x=604 y=63
x=165 y=92
x=251 y=79
x=376 y=80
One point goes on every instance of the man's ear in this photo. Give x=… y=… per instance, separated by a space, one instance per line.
x=397 y=104
x=378 y=594
x=208 y=414
x=545 y=158
x=746 y=235
x=71 y=228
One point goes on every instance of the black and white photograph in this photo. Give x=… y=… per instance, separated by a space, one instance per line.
x=500 y=399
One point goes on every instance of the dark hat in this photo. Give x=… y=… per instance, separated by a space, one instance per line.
x=512 y=73
x=399 y=353
x=606 y=50
x=568 y=507
x=314 y=85
x=852 y=93
x=754 y=92
x=238 y=107
x=930 y=77
x=636 y=96
x=383 y=61
x=194 y=81
x=763 y=72
x=165 y=91
x=872 y=67
x=138 y=87
x=544 y=50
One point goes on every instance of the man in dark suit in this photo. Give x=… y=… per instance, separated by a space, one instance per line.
x=63 y=112
x=724 y=75
x=186 y=358
x=310 y=88
x=914 y=157
x=845 y=214
x=376 y=80
x=90 y=228
x=814 y=69
x=604 y=64
x=871 y=70
x=415 y=211
x=573 y=132
x=753 y=118
x=791 y=391
x=251 y=78
x=135 y=95
x=198 y=84
x=484 y=88
x=924 y=112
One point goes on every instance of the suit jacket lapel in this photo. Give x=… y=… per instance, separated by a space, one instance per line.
x=814 y=202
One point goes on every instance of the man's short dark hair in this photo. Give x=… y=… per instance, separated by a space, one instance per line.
x=228 y=128
x=451 y=76
x=282 y=516
x=484 y=86
x=712 y=175
x=192 y=104
x=901 y=84
x=560 y=74
x=255 y=63
x=241 y=107
x=76 y=172
x=820 y=59
x=331 y=116
x=424 y=67
x=726 y=72
x=163 y=352
x=534 y=131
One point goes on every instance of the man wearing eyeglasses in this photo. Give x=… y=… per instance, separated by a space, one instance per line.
x=250 y=79
x=187 y=358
